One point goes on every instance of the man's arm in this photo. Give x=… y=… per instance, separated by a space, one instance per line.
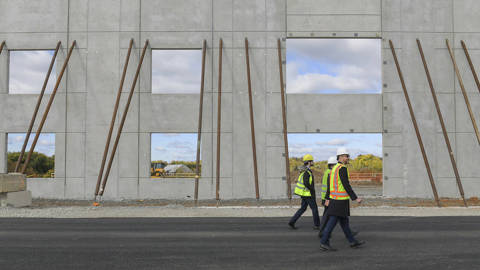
x=346 y=183
x=306 y=182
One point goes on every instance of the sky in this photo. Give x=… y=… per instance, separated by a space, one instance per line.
x=45 y=144
x=174 y=146
x=323 y=146
x=28 y=70
x=332 y=66
x=176 y=71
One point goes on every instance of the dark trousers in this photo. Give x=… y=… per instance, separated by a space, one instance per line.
x=332 y=222
x=324 y=219
x=307 y=201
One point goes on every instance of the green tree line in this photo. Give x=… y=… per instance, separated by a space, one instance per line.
x=40 y=165
x=363 y=163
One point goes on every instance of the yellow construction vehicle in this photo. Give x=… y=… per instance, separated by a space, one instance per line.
x=157 y=169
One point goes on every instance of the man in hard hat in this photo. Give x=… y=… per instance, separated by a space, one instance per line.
x=330 y=163
x=339 y=193
x=306 y=190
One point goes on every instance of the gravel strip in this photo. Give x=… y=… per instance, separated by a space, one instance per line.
x=222 y=211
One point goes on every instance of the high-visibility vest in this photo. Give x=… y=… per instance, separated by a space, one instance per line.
x=301 y=189
x=337 y=191
x=325 y=183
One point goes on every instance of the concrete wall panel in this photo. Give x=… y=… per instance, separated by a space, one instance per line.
x=75 y=155
x=81 y=113
x=333 y=23
x=465 y=18
x=249 y=15
x=326 y=109
x=43 y=16
x=173 y=15
x=78 y=16
x=170 y=113
x=363 y=7
x=18 y=110
x=75 y=188
x=47 y=188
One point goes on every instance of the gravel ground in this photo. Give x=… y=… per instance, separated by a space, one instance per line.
x=373 y=205
x=221 y=211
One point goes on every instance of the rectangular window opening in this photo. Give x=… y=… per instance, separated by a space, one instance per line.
x=42 y=162
x=27 y=71
x=333 y=66
x=173 y=155
x=176 y=71
x=366 y=158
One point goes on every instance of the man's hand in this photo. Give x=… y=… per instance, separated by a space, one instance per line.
x=358 y=200
x=327 y=202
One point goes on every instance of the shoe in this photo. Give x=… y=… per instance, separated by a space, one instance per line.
x=292 y=226
x=316 y=228
x=326 y=247
x=357 y=244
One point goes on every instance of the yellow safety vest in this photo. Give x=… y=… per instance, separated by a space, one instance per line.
x=325 y=183
x=300 y=189
x=337 y=191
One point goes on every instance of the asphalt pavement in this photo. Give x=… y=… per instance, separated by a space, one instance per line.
x=236 y=243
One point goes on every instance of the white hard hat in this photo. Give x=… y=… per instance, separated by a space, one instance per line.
x=332 y=160
x=342 y=151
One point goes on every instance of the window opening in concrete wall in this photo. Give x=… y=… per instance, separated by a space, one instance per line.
x=333 y=66
x=42 y=162
x=366 y=161
x=27 y=71
x=176 y=71
x=173 y=155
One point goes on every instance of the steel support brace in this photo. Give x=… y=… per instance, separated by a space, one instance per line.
x=284 y=117
x=442 y=123
x=252 y=123
x=35 y=111
x=47 y=109
x=112 y=122
x=414 y=122
x=219 y=118
x=464 y=92
x=200 y=116
x=124 y=117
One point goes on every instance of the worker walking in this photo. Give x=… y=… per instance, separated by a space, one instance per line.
x=330 y=163
x=338 y=194
x=306 y=190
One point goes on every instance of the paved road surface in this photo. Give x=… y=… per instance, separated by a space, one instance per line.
x=236 y=243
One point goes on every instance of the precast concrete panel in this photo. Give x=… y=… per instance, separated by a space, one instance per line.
x=82 y=110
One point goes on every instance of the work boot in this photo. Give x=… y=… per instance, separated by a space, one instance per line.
x=326 y=247
x=357 y=244
x=292 y=226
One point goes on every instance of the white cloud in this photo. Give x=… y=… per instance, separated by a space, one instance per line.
x=347 y=65
x=28 y=70
x=359 y=52
x=159 y=148
x=180 y=145
x=334 y=142
x=176 y=71
x=171 y=134
x=46 y=143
